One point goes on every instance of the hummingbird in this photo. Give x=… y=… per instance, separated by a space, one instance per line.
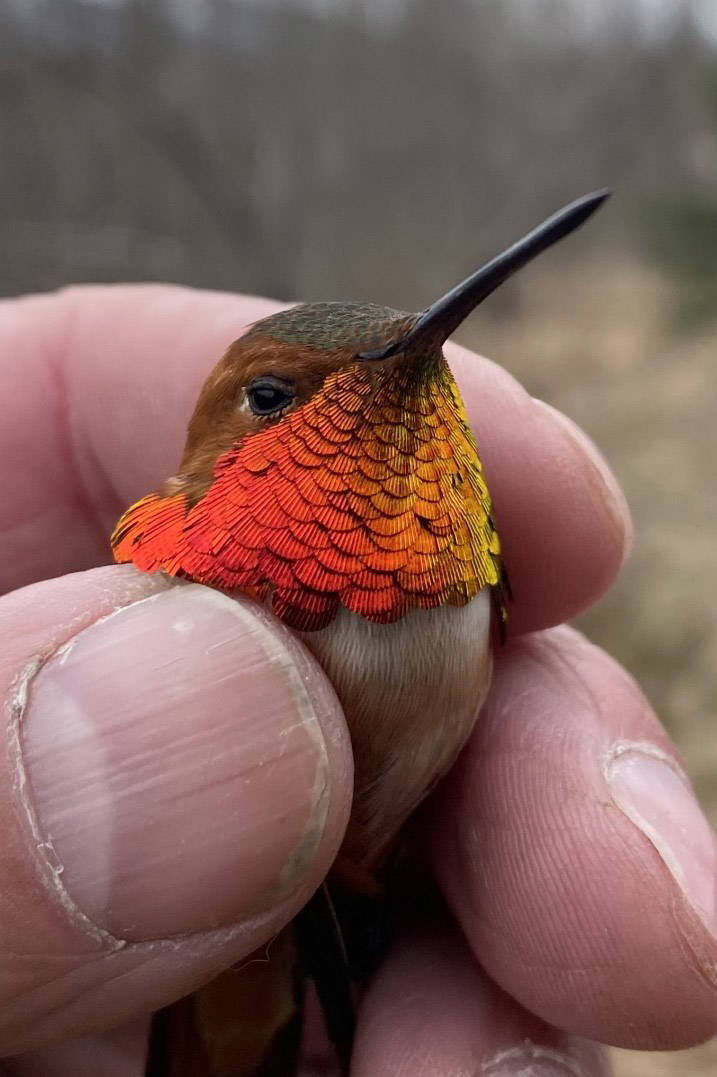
x=330 y=474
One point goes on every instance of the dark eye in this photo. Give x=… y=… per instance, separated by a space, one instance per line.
x=268 y=395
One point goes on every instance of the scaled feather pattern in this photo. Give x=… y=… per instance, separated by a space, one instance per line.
x=369 y=495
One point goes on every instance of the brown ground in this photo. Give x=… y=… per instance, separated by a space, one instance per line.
x=606 y=356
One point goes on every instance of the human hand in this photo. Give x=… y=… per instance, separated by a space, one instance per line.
x=175 y=755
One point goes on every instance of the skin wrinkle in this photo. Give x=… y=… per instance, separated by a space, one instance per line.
x=430 y=978
x=556 y=664
x=565 y=676
x=217 y=945
x=529 y=657
x=79 y=445
x=25 y=529
x=608 y=493
x=135 y=590
x=529 y=1052
x=63 y=999
x=696 y=943
x=592 y=979
x=58 y=362
x=695 y=938
x=54 y=352
x=20 y=997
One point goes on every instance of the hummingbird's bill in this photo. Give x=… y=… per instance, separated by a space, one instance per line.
x=437 y=323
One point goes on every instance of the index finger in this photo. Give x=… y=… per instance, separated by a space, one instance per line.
x=99 y=383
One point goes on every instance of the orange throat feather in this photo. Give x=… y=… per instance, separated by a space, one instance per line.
x=370 y=495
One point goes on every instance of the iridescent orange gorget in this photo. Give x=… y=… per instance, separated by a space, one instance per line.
x=370 y=495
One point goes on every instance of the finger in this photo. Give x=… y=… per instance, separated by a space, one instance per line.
x=574 y=855
x=122 y=1052
x=432 y=1012
x=103 y=381
x=177 y=785
x=564 y=523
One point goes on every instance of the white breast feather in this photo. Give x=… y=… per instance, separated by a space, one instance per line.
x=411 y=692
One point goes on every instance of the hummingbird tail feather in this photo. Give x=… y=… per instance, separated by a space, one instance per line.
x=244 y=1023
x=322 y=954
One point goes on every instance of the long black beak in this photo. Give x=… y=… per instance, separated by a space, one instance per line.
x=438 y=322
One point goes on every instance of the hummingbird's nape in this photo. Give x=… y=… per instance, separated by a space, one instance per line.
x=443 y=317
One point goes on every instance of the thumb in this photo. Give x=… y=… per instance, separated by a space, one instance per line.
x=177 y=784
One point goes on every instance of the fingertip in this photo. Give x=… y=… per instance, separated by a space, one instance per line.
x=564 y=523
x=180 y=770
x=584 y=883
x=176 y=759
x=432 y=1010
x=608 y=491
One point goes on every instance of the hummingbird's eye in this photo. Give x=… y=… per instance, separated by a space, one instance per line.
x=268 y=396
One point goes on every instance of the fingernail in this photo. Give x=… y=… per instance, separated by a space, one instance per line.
x=176 y=773
x=651 y=791
x=608 y=486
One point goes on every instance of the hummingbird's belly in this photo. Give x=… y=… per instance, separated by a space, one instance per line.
x=411 y=692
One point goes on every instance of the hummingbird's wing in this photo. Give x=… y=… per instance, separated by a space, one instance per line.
x=247 y=1022
x=244 y=1023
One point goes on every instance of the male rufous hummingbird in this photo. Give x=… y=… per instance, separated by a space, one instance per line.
x=330 y=473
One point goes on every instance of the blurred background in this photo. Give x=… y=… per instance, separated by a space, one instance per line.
x=381 y=149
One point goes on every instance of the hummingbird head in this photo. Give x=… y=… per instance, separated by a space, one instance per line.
x=275 y=368
x=329 y=462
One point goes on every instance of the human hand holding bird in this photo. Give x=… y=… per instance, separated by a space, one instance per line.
x=131 y=361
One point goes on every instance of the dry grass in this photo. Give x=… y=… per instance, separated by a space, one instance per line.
x=596 y=343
